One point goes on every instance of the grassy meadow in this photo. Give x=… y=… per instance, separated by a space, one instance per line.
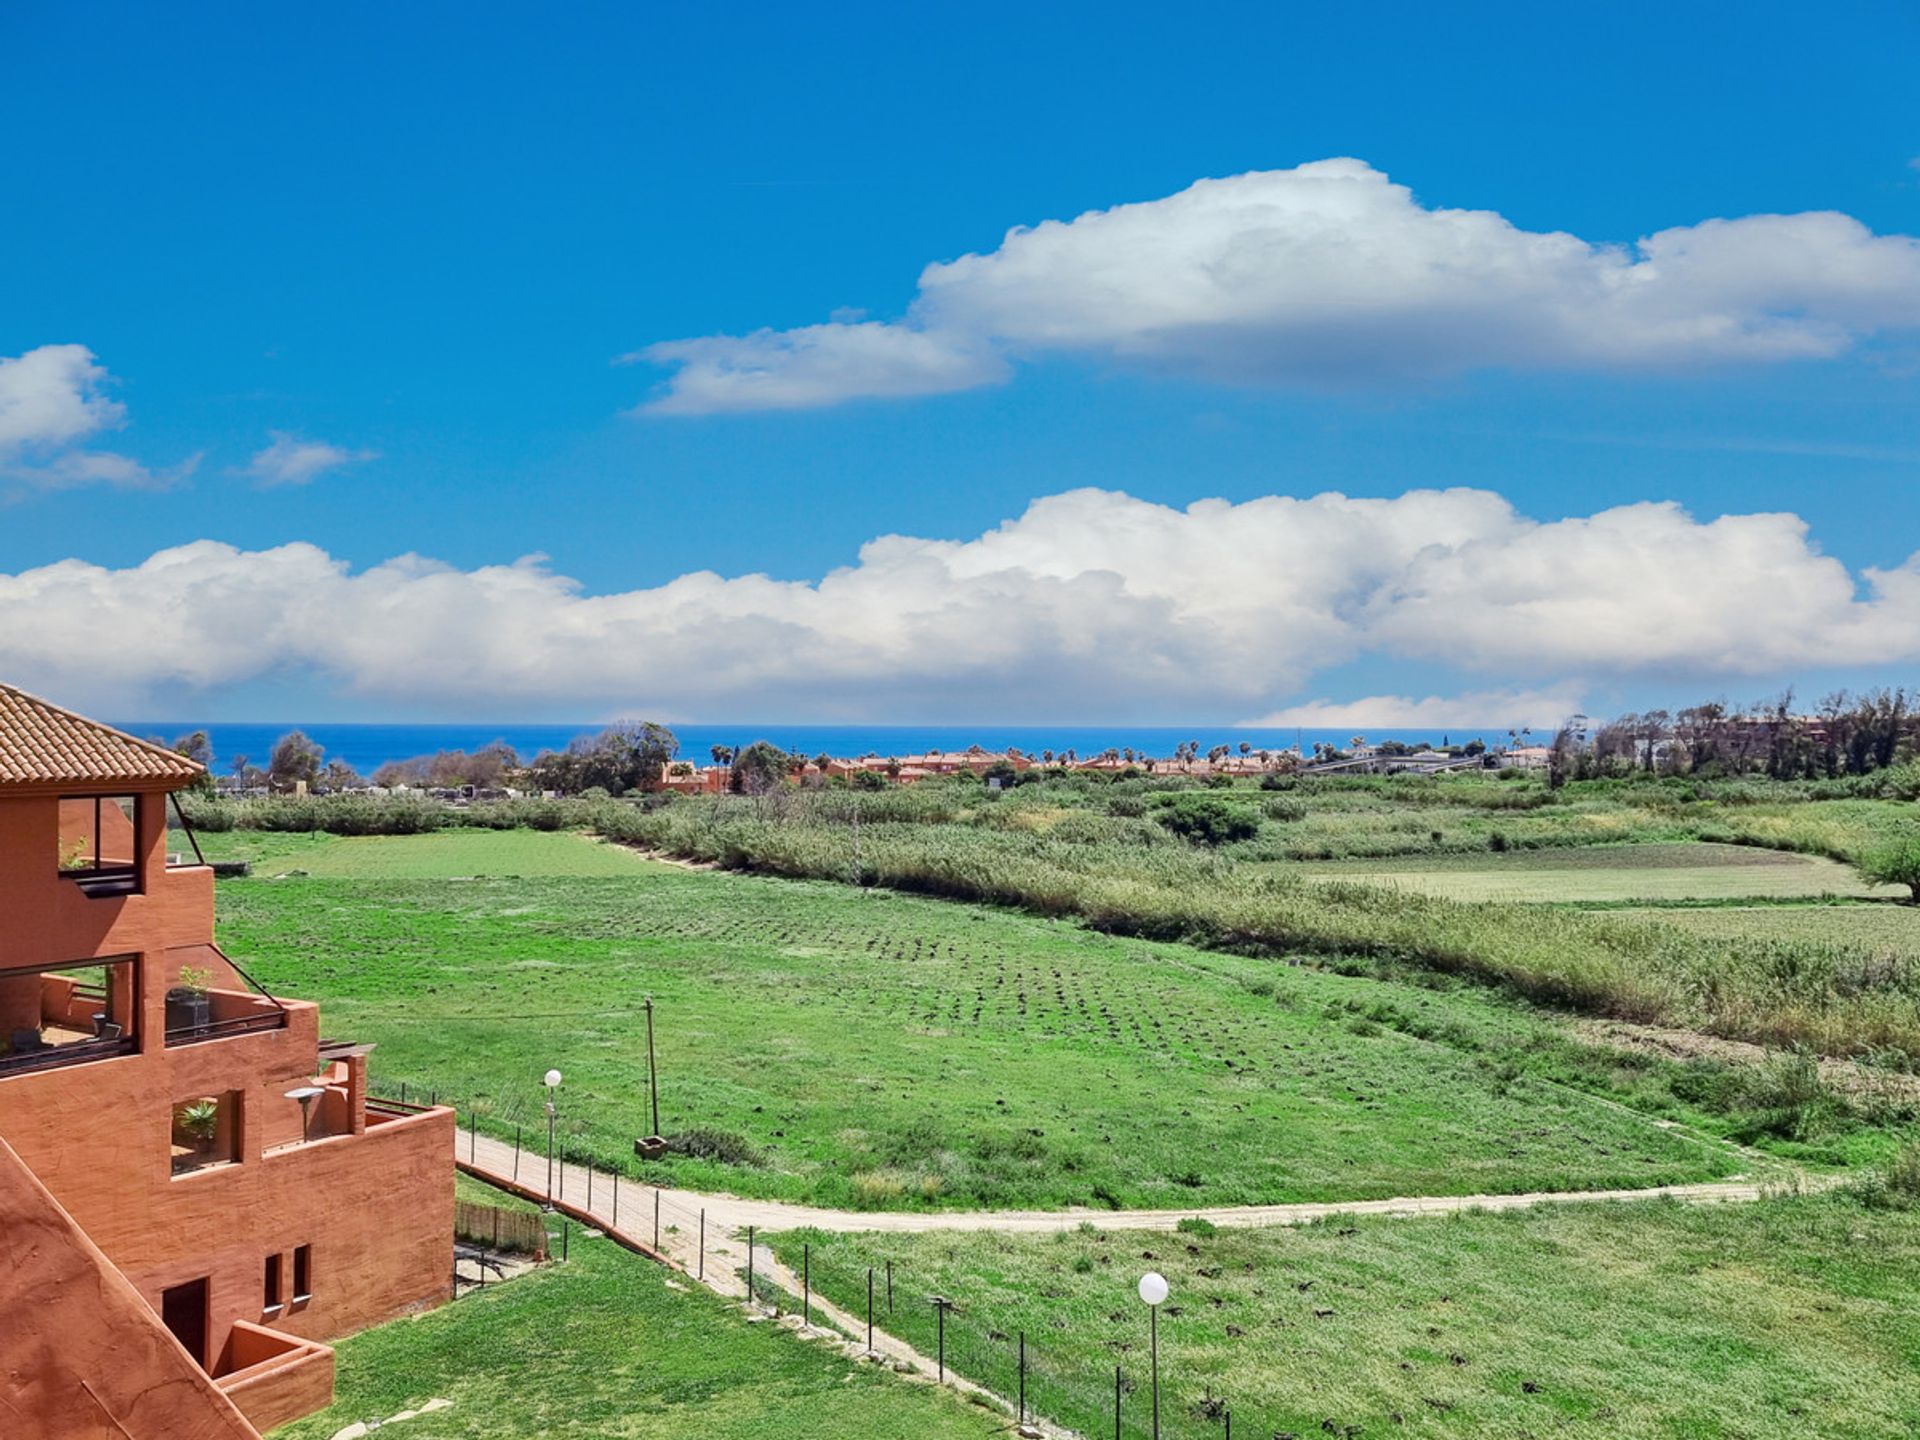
x=870 y=1049
x=1647 y=1320
x=1050 y=998
x=608 y=1344
x=1101 y=853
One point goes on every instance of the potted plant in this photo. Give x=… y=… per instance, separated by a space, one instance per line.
x=196 y=1123
x=188 y=1007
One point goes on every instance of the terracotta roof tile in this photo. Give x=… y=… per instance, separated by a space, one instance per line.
x=41 y=744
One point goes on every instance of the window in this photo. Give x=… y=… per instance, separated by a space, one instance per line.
x=270 y=1292
x=99 y=842
x=65 y=1014
x=206 y=1131
x=302 y=1274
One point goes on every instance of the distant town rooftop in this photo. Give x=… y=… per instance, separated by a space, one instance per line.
x=43 y=745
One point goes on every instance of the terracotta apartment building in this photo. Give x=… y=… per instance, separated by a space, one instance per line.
x=196 y=1190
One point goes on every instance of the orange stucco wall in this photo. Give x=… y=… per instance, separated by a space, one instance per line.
x=373 y=1201
x=82 y=1357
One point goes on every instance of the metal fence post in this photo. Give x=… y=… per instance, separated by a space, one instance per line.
x=1116 y=1402
x=940 y=1312
x=889 y=1287
x=749 y=1267
x=806 y=1286
x=473 y=1137
x=516 y=1154
x=616 y=1201
x=702 y=1275
x=869 y=1309
x=589 y=1188
x=1023 y=1378
x=566 y=1237
x=656 y=1219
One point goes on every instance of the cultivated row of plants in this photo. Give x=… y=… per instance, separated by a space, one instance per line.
x=1134 y=877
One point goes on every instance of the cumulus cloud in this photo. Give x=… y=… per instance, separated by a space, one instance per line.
x=1330 y=273
x=816 y=365
x=1089 y=603
x=52 y=401
x=1496 y=709
x=289 y=460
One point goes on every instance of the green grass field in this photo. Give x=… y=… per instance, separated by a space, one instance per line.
x=879 y=1050
x=608 y=1345
x=1652 y=872
x=1644 y=1321
x=443 y=855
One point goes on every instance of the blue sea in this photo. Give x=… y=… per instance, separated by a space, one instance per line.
x=368 y=746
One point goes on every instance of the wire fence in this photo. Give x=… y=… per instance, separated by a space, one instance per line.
x=1038 y=1375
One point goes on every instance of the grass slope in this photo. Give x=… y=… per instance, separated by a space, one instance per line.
x=1643 y=1321
x=601 y=1347
x=881 y=1050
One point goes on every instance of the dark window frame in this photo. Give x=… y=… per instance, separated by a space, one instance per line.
x=116 y=875
x=272 y=1283
x=302 y=1274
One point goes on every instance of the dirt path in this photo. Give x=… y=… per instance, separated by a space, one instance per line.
x=728 y=1213
x=705 y=1236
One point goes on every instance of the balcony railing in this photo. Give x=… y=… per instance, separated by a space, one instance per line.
x=227 y=1013
x=198 y=1015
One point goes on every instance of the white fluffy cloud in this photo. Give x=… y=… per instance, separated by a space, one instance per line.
x=816 y=365
x=1541 y=709
x=1089 y=603
x=1330 y=273
x=52 y=401
x=289 y=460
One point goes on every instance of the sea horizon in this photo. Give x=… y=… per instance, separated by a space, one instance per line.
x=367 y=745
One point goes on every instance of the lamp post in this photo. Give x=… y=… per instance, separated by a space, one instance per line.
x=553 y=1088
x=1153 y=1290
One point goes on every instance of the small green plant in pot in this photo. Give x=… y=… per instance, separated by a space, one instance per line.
x=197 y=1122
x=188 y=1006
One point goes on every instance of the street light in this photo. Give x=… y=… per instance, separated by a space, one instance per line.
x=553 y=1088
x=1153 y=1290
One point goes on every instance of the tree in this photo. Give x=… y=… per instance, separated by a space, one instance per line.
x=198 y=748
x=618 y=759
x=722 y=754
x=758 y=769
x=338 y=775
x=295 y=758
x=1894 y=862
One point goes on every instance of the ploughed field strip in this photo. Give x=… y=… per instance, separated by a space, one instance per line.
x=1650 y=872
x=871 y=1050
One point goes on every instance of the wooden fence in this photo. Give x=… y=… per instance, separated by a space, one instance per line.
x=500 y=1229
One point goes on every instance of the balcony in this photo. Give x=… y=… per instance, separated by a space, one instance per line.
x=69 y=1015
x=274 y=1377
x=212 y=998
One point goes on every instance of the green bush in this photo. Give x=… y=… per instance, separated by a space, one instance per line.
x=1206 y=819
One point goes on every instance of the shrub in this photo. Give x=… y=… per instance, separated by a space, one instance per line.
x=1196 y=1225
x=1898 y=1186
x=1894 y=862
x=723 y=1147
x=1207 y=819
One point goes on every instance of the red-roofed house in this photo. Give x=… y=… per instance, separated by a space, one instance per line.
x=172 y=1131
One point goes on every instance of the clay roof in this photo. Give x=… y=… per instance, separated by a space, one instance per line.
x=41 y=744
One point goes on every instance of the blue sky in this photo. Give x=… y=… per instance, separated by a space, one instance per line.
x=414 y=241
